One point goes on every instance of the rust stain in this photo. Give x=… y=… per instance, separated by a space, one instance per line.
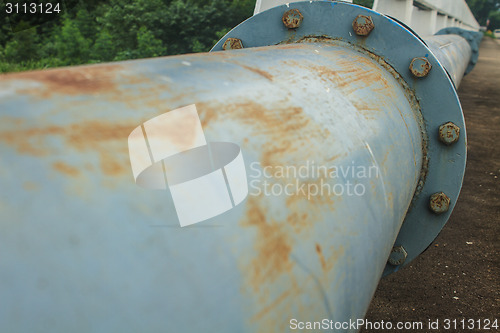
x=314 y=194
x=351 y=80
x=108 y=140
x=439 y=202
x=30 y=186
x=420 y=67
x=356 y=77
x=258 y=71
x=110 y=166
x=232 y=44
x=317 y=39
x=321 y=257
x=84 y=136
x=273 y=247
x=276 y=150
x=268 y=309
x=87 y=135
x=181 y=132
x=66 y=169
x=27 y=141
x=283 y=135
x=292 y=18
x=276 y=126
x=449 y=133
x=299 y=222
x=333 y=255
x=86 y=80
x=151 y=99
x=209 y=115
x=332 y=158
x=390 y=200
x=363 y=25
x=88 y=167
x=353 y=76
x=289 y=43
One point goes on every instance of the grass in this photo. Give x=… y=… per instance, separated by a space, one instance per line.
x=489 y=34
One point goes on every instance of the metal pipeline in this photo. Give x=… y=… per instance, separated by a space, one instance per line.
x=453 y=52
x=473 y=38
x=305 y=106
x=335 y=139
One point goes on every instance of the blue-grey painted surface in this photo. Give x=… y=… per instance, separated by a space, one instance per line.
x=445 y=165
x=472 y=37
x=453 y=52
x=83 y=248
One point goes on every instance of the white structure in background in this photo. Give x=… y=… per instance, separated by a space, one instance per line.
x=425 y=17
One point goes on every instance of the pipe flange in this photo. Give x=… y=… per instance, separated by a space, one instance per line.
x=472 y=37
x=444 y=165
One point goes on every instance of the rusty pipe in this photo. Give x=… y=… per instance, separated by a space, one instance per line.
x=454 y=53
x=84 y=248
x=83 y=230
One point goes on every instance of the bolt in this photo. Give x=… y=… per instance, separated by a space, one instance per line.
x=439 y=203
x=398 y=256
x=363 y=25
x=449 y=133
x=292 y=18
x=420 y=67
x=232 y=44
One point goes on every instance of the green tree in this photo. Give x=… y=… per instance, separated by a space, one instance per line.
x=123 y=19
x=494 y=20
x=22 y=47
x=106 y=30
x=104 y=47
x=86 y=23
x=148 y=45
x=5 y=30
x=365 y=3
x=193 y=26
x=481 y=9
x=72 y=47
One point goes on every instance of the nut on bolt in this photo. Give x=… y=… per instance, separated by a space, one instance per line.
x=420 y=67
x=363 y=25
x=439 y=203
x=292 y=18
x=398 y=256
x=232 y=44
x=449 y=133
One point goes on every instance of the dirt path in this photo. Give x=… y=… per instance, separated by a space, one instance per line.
x=459 y=275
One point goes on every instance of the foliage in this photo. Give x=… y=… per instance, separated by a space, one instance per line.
x=484 y=10
x=109 y=30
x=71 y=45
x=93 y=31
x=494 y=20
x=22 y=47
x=365 y=3
x=489 y=34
